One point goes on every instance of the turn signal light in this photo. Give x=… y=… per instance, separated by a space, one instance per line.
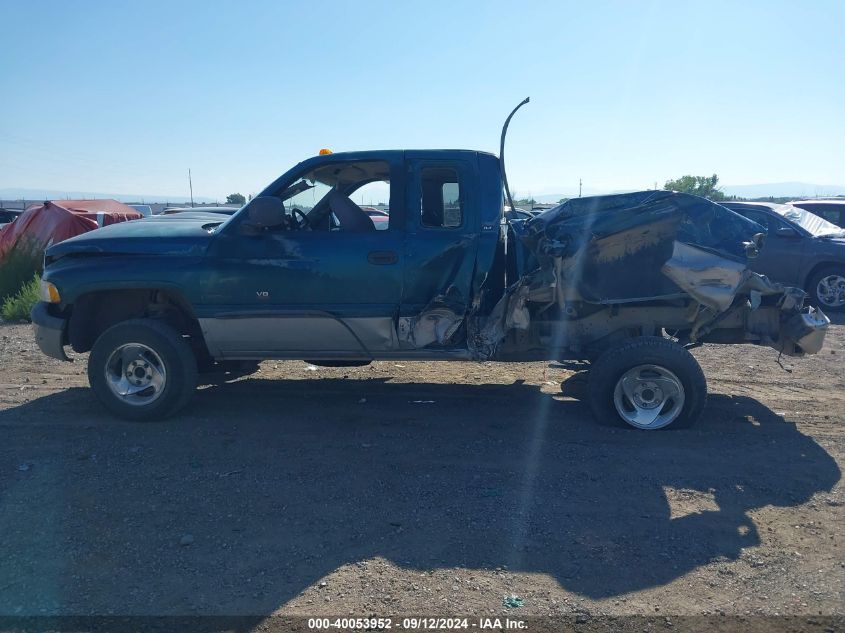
x=49 y=292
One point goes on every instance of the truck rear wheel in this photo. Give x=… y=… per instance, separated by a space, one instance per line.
x=142 y=370
x=647 y=383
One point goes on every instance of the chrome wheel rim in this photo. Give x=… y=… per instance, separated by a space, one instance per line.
x=831 y=291
x=135 y=374
x=649 y=396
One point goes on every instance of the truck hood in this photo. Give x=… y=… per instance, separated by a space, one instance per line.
x=150 y=236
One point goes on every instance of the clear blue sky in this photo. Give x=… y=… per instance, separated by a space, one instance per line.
x=125 y=96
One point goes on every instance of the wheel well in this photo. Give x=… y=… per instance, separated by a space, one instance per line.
x=814 y=270
x=95 y=312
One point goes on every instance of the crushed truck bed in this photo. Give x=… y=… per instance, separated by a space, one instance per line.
x=683 y=257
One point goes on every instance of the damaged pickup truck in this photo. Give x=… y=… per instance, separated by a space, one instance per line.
x=629 y=282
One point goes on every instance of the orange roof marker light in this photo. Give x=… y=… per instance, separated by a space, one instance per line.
x=325 y=151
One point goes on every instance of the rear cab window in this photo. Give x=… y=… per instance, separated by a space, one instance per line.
x=441 y=201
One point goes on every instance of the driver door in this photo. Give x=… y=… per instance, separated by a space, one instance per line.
x=324 y=293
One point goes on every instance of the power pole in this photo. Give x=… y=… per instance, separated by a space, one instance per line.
x=191 y=185
x=579 y=187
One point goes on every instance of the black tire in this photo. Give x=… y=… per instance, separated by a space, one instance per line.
x=615 y=362
x=172 y=350
x=813 y=287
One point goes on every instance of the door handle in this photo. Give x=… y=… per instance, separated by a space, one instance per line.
x=382 y=258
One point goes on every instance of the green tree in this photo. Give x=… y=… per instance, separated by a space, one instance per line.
x=704 y=186
x=522 y=201
x=235 y=198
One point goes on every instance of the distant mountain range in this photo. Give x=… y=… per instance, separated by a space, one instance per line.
x=783 y=190
x=773 y=189
x=52 y=194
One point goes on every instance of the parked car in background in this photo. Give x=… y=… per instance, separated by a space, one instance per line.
x=381 y=219
x=189 y=214
x=801 y=249
x=518 y=213
x=8 y=215
x=831 y=209
x=144 y=209
x=222 y=210
x=22 y=242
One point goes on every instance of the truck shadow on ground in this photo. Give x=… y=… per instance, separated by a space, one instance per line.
x=281 y=483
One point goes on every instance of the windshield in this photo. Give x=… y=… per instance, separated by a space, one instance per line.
x=810 y=222
x=364 y=187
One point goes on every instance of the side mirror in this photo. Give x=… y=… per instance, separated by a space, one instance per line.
x=265 y=212
x=752 y=248
x=786 y=231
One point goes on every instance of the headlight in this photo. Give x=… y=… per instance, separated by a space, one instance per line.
x=49 y=292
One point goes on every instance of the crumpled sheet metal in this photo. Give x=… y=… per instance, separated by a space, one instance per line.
x=511 y=312
x=807 y=330
x=711 y=280
x=641 y=247
x=613 y=248
x=698 y=220
x=437 y=322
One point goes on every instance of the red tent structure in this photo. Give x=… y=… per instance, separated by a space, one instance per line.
x=22 y=243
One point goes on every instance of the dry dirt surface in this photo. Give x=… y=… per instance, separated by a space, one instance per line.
x=423 y=488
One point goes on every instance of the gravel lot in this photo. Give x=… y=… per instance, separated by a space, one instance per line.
x=422 y=488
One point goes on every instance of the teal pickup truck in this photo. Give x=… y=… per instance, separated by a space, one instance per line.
x=629 y=282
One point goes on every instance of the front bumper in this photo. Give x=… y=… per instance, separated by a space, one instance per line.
x=49 y=331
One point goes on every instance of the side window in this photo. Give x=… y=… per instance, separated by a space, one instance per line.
x=374 y=199
x=827 y=212
x=830 y=216
x=441 y=205
x=762 y=219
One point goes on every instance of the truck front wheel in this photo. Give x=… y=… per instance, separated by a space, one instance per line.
x=648 y=383
x=142 y=370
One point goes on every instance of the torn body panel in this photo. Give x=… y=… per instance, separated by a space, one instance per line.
x=616 y=266
x=712 y=280
x=436 y=323
x=451 y=275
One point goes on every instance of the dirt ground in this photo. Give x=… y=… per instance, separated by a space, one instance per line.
x=422 y=488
